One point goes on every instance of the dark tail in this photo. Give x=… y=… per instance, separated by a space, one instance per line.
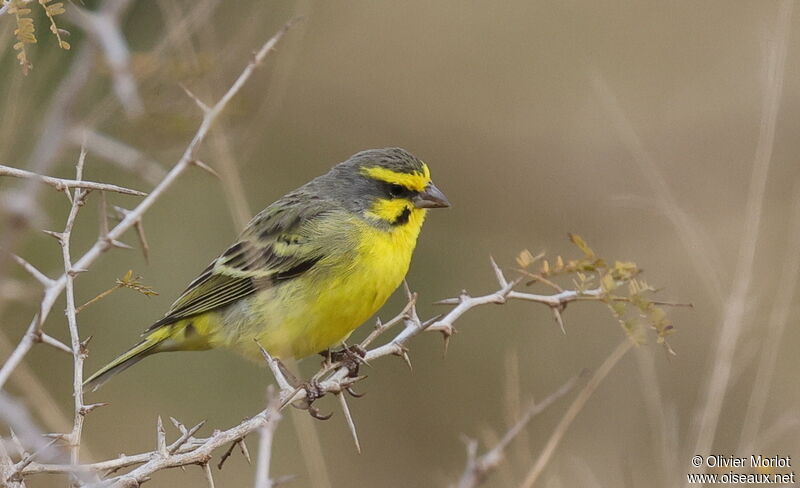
x=132 y=356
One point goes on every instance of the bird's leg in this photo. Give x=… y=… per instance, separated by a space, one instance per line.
x=350 y=357
x=328 y=361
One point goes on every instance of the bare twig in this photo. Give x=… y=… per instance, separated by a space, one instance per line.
x=97 y=298
x=23 y=202
x=30 y=437
x=62 y=184
x=53 y=292
x=196 y=454
x=274 y=366
x=200 y=104
x=28 y=459
x=209 y=476
x=52 y=341
x=139 y=226
x=33 y=271
x=10 y=478
x=229 y=452
x=192 y=20
x=185 y=443
x=572 y=412
x=333 y=377
x=78 y=354
x=20 y=205
x=479 y=467
x=199 y=453
x=104 y=27
x=39 y=399
x=161 y=439
x=118 y=152
x=266 y=434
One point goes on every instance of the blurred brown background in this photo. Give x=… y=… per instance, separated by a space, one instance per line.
x=510 y=104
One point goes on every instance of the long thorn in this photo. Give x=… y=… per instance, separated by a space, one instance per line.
x=350 y=424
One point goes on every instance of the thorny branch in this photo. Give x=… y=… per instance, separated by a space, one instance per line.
x=130 y=220
x=78 y=355
x=62 y=184
x=479 y=467
x=335 y=377
x=30 y=444
x=21 y=205
x=110 y=238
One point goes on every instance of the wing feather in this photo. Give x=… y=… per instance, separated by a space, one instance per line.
x=277 y=246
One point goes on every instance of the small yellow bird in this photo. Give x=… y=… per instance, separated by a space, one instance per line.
x=307 y=270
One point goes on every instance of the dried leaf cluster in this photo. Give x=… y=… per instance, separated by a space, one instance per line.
x=618 y=285
x=25 y=33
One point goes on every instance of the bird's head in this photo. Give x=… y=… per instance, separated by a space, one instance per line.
x=388 y=186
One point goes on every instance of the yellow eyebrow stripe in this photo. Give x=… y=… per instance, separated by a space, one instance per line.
x=412 y=181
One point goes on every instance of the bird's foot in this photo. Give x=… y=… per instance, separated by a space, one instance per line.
x=351 y=357
x=313 y=393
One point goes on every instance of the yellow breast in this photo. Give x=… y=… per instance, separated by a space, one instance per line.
x=326 y=308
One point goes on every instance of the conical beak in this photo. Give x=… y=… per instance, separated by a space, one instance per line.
x=431 y=197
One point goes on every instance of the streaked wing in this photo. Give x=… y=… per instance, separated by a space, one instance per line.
x=276 y=246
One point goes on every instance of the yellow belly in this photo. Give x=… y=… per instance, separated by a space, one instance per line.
x=321 y=308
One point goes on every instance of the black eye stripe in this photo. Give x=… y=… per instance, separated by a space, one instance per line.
x=397 y=191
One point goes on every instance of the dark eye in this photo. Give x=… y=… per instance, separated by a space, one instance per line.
x=397 y=190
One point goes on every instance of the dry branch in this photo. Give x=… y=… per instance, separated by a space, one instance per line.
x=577 y=405
x=62 y=184
x=266 y=435
x=78 y=353
x=130 y=220
x=175 y=455
x=334 y=377
x=53 y=132
x=119 y=153
x=201 y=454
x=42 y=278
x=104 y=28
x=479 y=467
x=30 y=439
